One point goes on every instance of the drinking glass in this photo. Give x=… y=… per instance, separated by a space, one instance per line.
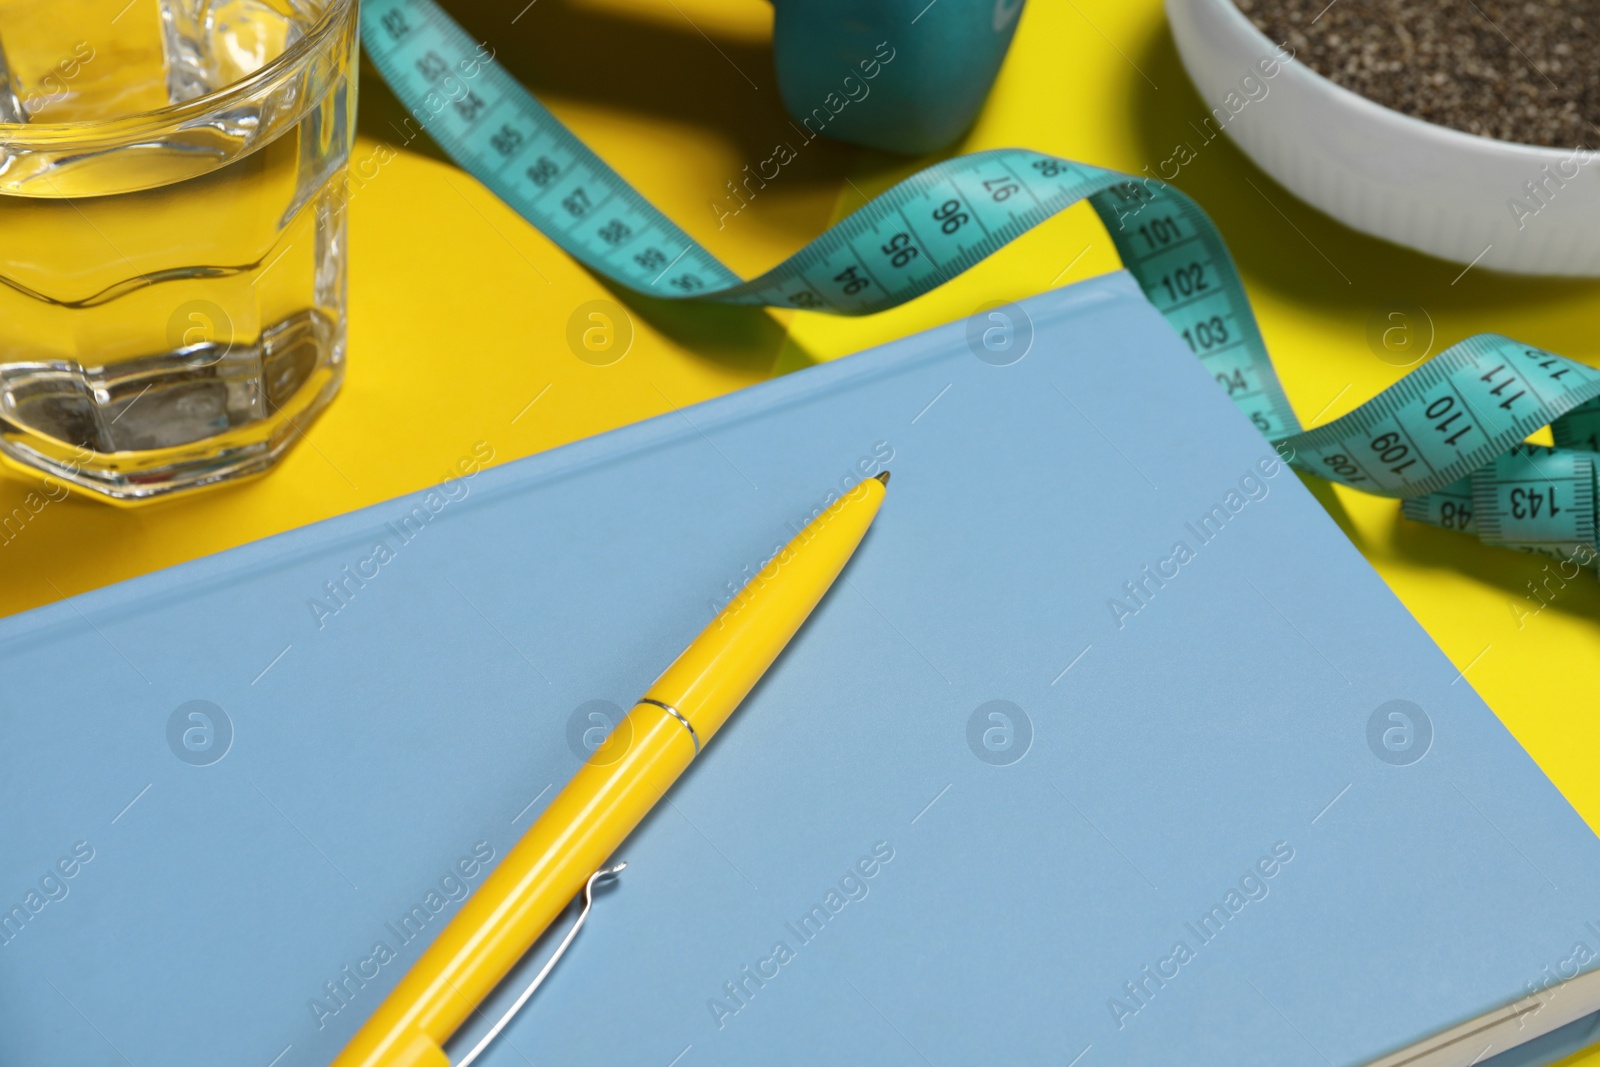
x=172 y=235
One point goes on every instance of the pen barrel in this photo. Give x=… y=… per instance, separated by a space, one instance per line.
x=712 y=676
x=615 y=789
x=572 y=838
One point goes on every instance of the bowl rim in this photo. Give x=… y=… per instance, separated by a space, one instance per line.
x=1472 y=142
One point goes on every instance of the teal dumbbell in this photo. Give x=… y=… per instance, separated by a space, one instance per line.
x=902 y=75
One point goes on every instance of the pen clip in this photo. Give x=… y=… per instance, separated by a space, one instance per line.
x=538 y=979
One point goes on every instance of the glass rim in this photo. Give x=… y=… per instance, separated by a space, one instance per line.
x=138 y=123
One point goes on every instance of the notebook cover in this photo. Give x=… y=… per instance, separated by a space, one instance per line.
x=1194 y=833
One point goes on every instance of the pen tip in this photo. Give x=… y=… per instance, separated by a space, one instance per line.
x=882 y=476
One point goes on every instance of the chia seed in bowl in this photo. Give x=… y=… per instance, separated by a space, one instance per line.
x=1526 y=72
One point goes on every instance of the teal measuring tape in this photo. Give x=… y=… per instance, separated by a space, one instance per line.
x=1448 y=436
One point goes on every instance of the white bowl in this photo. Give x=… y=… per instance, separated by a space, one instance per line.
x=1437 y=190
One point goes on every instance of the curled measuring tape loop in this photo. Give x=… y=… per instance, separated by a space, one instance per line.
x=1447 y=437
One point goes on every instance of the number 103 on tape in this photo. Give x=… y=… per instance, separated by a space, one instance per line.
x=1448 y=437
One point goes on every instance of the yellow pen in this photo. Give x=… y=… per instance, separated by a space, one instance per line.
x=608 y=796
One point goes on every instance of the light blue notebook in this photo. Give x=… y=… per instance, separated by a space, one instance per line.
x=1107 y=749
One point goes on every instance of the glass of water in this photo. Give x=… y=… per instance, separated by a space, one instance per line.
x=172 y=261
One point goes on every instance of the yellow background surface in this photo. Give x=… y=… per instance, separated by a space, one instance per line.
x=459 y=310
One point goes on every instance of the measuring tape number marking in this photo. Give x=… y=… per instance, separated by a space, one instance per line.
x=1448 y=436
